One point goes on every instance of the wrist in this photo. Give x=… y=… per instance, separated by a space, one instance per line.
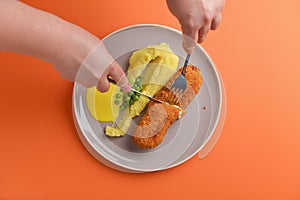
x=76 y=44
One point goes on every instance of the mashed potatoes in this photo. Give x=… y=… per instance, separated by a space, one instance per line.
x=156 y=64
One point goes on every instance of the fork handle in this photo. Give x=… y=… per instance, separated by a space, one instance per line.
x=186 y=62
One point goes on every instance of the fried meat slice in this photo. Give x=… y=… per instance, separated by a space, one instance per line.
x=153 y=126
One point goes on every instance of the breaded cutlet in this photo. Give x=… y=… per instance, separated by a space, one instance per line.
x=153 y=126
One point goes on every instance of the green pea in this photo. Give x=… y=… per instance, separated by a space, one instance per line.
x=127 y=98
x=118 y=95
x=139 y=88
x=139 y=84
x=135 y=97
x=131 y=102
x=117 y=102
x=125 y=103
x=122 y=107
x=125 y=95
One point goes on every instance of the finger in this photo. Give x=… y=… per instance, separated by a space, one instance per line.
x=189 y=38
x=189 y=42
x=103 y=84
x=203 y=33
x=216 y=22
x=118 y=75
x=93 y=66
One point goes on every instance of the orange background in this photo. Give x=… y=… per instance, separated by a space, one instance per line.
x=257 y=51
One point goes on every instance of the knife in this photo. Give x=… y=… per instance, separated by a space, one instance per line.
x=141 y=93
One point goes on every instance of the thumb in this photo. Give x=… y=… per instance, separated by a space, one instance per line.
x=117 y=74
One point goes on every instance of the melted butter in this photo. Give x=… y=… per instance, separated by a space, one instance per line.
x=101 y=105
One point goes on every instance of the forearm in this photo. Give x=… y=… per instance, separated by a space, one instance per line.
x=33 y=32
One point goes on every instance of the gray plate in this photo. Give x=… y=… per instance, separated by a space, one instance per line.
x=184 y=138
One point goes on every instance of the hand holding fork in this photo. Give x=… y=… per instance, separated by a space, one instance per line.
x=179 y=85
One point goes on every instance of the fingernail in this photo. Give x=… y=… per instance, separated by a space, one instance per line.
x=190 y=50
x=127 y=87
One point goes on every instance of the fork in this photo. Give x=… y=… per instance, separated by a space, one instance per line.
x=179 y=85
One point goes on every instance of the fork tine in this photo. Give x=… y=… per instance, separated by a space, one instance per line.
x=176 y=94
x=179 y=84
x=173 y=94
x=179 y=95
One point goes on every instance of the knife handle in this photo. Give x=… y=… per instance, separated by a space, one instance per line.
x=111 y=81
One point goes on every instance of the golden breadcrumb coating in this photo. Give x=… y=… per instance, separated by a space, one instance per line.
x=159 y=117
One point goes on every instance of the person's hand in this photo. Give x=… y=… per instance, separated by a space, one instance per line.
x=97 y=66
x=196 y=17
x=77 y=55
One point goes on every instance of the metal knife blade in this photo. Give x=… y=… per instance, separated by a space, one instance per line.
x=152 y=98
x=141 y=93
